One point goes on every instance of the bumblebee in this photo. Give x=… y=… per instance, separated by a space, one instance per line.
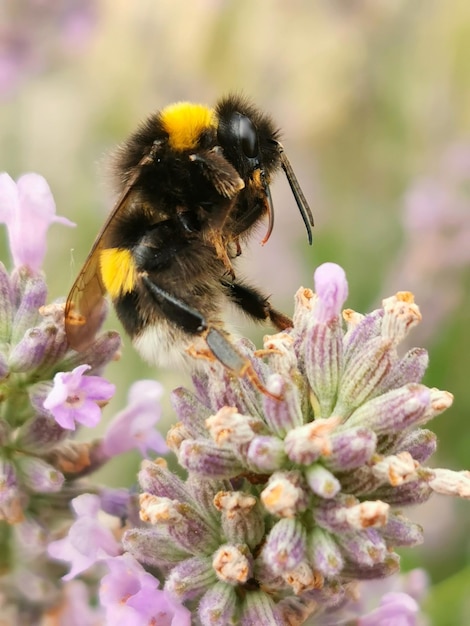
x=193 y=183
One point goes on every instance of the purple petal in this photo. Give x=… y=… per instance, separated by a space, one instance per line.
x=74 y=397
x=62 y=550
x=57 y=395
x=134 y=426
x=88 y=541
x=86 y=504
x=77 y=609
x=332 y=289
x=64 y=417
x=88 y=414
x=28 y=209
x=131 y=597
x=96 y=388
x=395 y=608
x=73 y=379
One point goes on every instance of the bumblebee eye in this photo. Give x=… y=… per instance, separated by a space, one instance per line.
x=240 y=133
x=248 y=137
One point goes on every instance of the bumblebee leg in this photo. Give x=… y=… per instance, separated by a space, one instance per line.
x=185 y=316
x=255 y=304
x=194 y=323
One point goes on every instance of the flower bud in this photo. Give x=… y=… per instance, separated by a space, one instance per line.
x=205 y=457
x=39 y=476
x=241 y=516
x=31 y=293
x=324 y=552
x=191 y=578
x=258 y=608
x=219 y=605
x=285 y=545
x=6 y=305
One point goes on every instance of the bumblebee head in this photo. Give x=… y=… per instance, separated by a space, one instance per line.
x=248 y=137
x=250 y=141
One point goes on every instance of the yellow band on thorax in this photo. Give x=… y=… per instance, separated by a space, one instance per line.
x=184 y=122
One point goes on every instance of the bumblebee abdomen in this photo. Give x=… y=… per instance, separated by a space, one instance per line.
x=118 y=271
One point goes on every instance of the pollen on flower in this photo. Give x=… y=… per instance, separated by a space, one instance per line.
x=232 y=503
x=305 y=301
x=368 y=514
x=401 y=314
x=306 y=443
x=440 y=400
x=304 y=578
x=352 y=318
x=397 y=469
x=228 y=425
x=300 y=494
x=176 y=435
x=405 y=296
x=284 y=496
x=54 y=310
x=156 y=510
x=231 y=565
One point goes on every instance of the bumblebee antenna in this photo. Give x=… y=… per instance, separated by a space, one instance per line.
x=302 y=203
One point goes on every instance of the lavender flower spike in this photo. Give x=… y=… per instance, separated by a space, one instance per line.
x=44 y=394
x=288 y=501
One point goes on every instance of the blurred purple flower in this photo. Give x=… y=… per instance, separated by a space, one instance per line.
x=76 y=607
x=35 y=35
x=88 y=540
x=115 y=502
x=75 y=398
x=28 y=209
x=436 y=248
x=398 y=609
x=133 y=427
x=77 y=23
x=131 y=597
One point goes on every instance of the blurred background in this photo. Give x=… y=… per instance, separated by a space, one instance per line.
x=373 y=97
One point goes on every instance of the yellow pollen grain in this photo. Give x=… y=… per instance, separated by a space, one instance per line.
x=184 y=122
x=118 y=271
x=405 y=296
x=271 y=498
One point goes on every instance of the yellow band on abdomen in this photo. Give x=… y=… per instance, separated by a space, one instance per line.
x=118 y=271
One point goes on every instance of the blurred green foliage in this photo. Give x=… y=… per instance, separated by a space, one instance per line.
x=371 y=95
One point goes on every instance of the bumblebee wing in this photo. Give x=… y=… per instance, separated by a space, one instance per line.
x=86 y=305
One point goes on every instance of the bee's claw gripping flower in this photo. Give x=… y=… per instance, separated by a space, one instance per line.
x=299 y=493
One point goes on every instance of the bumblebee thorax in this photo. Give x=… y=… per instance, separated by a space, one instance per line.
x=186 y=123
